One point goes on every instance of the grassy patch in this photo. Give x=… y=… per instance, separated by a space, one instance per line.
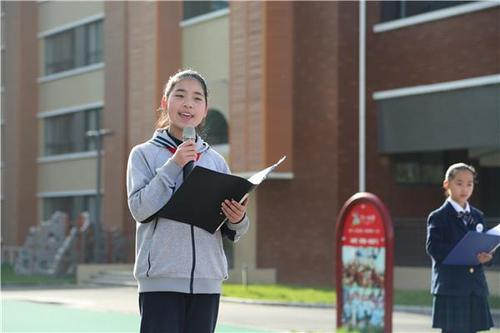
x=494 y=302
x=412 y=297
x=9 y=277
x=284 y=293
x=424 y=298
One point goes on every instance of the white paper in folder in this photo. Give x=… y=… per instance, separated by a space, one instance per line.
x=494 y=231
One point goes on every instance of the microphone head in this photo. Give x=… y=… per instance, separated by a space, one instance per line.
x=188 y=133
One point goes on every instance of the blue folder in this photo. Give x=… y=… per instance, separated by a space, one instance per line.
x=466 y=251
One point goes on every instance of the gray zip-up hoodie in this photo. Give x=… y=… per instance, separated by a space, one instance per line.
x=170 y=255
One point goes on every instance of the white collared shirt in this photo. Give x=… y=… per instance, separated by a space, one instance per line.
x=457 y=206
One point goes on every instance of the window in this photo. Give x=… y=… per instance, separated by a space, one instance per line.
x=66 y=133
x=393 y=10
x=2 y=74
x=419 y=168
x=73 y=206
x=197 y=8
x=2 y=26
x=59 y=52
x=216 y=128
x=78 y=47
x=3 y=141
x=93 y=42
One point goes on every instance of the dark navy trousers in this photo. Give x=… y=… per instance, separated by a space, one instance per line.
x=171 y=312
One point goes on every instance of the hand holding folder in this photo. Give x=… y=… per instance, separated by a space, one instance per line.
x=199 y=198
x=473 y=243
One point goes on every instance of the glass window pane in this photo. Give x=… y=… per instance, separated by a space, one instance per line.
x=68 y=133
x=389 y=10
x=59 y=52
x=216 y=129
x=73 y=48
x=80 y=47
x=49 y=55
x=52 y=205
x=73 y=206
x=197 y=8
x=393 y=10
x=78 y=134
x=94 y=42
x=91 y=123
x=90 y=206
x=419 y=168
x=57 y=134
x=98 y=54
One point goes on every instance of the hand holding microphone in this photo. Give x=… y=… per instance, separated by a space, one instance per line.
x=186 y=152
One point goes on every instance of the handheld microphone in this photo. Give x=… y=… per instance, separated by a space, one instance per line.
x=188 y=133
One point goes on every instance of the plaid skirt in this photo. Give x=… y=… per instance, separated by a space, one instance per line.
x=464 y=314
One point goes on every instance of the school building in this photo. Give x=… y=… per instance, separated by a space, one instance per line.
x=283 y=80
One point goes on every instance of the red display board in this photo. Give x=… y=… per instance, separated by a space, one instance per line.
x=364 y=265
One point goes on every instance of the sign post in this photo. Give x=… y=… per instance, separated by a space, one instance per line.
x=364 y=265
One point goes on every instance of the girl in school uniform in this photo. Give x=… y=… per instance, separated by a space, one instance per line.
x=460 y=293
x=179 y=267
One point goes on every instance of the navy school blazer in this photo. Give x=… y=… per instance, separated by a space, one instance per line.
x=444 y=231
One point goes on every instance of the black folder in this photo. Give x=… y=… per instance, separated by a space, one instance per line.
x=198 y=200
x=467 y=249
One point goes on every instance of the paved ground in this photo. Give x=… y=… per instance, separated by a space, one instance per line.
x=93 y=309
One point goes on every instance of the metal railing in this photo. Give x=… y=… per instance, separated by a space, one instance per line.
x=57 y=246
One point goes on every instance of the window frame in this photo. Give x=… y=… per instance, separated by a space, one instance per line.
x=77 y=203
x=196 y=9
x=433 y=16
x=422 y=161
x=74 y=120
x=78 y=39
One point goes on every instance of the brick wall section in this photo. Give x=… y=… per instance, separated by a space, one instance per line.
x=261 y=75
x=19 y=172
x=142 y=70
x=246 y=132
x=450 y=49
x=348 y=148
x=238 y=87
x=278 y=84
x=445 y=50
x=297 y=217
x=143 y=48
x=255 y=149
x=168 y=43
x=115 y=118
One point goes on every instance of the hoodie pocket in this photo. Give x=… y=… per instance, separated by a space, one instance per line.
x=151 y=248
x=171 y=253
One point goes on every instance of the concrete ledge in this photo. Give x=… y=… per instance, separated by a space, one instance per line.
x=85 y=272
x=263 y=276
x=276 y=303
x=419 y=278
x=412 y=278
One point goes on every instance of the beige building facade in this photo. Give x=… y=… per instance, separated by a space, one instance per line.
x=99 y=65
